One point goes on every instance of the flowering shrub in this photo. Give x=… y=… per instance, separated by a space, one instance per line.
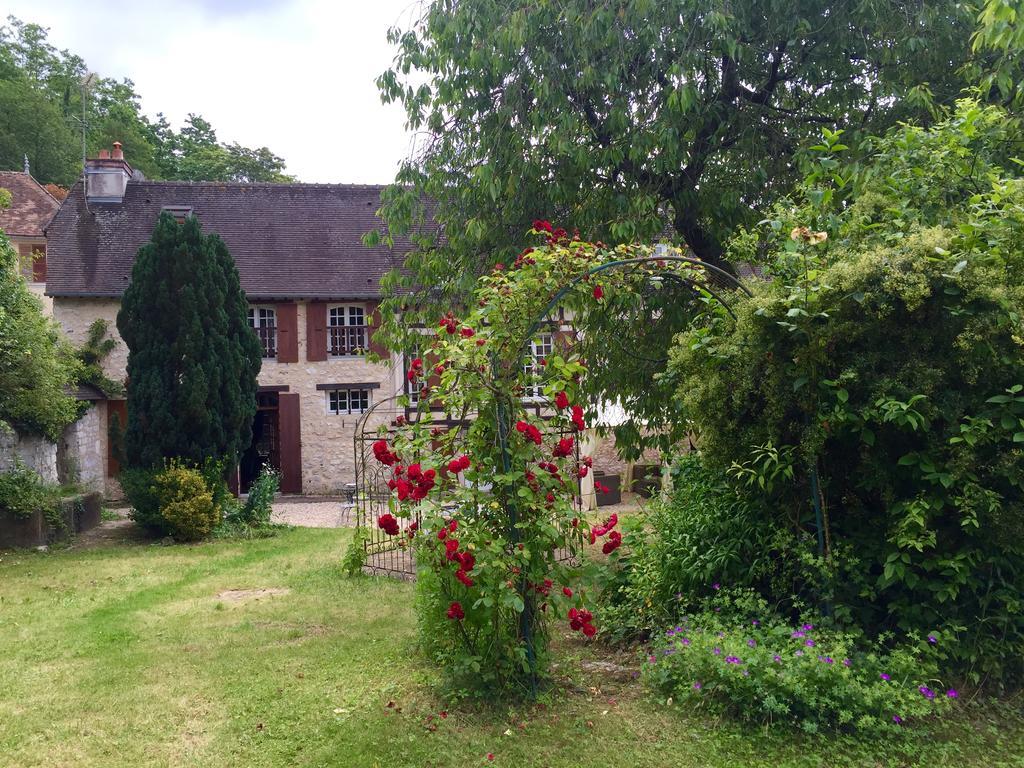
x=762 y=669
x=496 y=492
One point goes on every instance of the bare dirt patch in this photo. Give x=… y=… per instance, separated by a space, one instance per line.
x=241 y=595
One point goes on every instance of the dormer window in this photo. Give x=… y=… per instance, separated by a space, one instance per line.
x=179 y=212
x=346 y=330
x=264 y=321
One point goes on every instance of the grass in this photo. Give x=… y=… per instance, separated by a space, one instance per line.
x=136 y=656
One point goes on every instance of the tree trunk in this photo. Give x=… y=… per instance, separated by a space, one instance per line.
x=704 y=245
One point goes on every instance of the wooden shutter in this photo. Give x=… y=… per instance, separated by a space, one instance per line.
x=39 y=264
x=290 y=426
x=316 y=331
x=374 y=321
x=287 y=333
x=120 y=408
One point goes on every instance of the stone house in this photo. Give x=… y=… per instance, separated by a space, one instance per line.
x=24 y=222
x=312 y=285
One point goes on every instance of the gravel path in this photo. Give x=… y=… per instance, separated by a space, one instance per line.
x=314 y=513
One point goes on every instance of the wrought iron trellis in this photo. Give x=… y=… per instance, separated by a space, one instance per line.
x=392 y=555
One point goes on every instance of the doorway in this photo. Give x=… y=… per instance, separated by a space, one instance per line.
x=265 y=449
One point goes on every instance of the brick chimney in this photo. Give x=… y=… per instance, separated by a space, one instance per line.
x=107 y=176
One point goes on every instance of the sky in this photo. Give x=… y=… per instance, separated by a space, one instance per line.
x=296 y=76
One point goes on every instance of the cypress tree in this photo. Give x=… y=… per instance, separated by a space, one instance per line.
x=192 y=357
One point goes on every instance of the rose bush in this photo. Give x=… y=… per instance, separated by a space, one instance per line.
x=495 y=486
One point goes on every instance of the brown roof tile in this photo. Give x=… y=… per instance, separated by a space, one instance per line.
x=32 y=206
x=288 y=240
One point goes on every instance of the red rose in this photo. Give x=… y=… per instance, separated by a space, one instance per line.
x=564 y=448
x=589 y=630
x=467 y=333
x=542 y=225
x=598 y=292
x=464 y=578
x=577 y=418
x=388 y=524
x=562 y=400
x=453 y=525
x=455 y=612
x=566 y=591
x=442 y=533
x=451 y=547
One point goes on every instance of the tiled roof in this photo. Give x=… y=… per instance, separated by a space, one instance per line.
x=288 y=240
x=31 y=209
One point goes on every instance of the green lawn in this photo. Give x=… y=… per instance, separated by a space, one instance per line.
x=132 y=656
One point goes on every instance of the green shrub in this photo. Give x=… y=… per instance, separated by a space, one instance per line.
x=704 y=531
x=23 y=492
x=139 y=488
x=186 y=503
x=258 y=507
x=764 y=670
x=886 y=362
x=355 y=555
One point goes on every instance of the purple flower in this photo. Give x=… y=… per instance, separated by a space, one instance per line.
x=716 y=586
x=897 y=719
x=885 y=677
x=846 y=662
x=927 y=692
x=752 y=643
x=807 y=627
x=829 y=660
x=720 y=634
x=697 y=686
x=932 y=639
x=685 y=641
x=669 y=651
x=797 y=635
x=733 y=660
x=799 y=653
x=777 y=658
x=717 y=651
x=809 y=643
x=952 y=694
x=756 y=623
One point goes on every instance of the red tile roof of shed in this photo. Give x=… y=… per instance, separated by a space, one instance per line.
x=32 y=206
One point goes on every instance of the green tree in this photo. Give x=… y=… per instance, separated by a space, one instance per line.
x=192 y=357
x=37 y=365
x=620 y=117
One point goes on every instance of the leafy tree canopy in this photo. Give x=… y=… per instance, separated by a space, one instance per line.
x=36 y=364
x=41 y=92
x=619 y=118
x=192 y=357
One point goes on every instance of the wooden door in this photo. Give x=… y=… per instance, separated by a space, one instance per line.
x=289 y=419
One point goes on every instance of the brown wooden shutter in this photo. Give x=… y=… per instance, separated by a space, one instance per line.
x=316 y=331
x=373 y=313
x=120 y=408
x=290 y=426
x=39 y=264
x=287 y=333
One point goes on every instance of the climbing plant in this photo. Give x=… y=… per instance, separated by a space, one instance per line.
x=494 y=491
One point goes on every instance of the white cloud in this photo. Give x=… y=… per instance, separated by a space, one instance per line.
x=295 y=76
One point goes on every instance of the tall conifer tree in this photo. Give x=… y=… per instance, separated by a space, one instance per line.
x=192 y=357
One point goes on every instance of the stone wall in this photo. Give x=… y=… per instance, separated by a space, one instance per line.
x=82 y=451
x=36 y=453
x=328 y=461
x=76 y=315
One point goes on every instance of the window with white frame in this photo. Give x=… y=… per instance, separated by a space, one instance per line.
x=344 y=401
x=540 y=348
x=412 y=388
x=264 y=321
x=346 y=330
